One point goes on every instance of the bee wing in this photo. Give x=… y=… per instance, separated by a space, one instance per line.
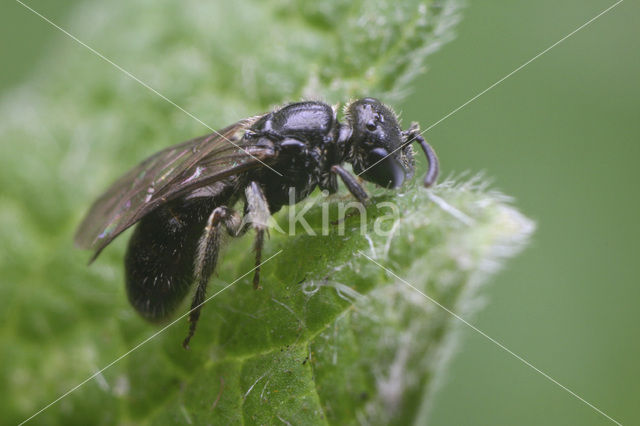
x=166 y=175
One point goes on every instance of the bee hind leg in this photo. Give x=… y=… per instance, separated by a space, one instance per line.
x=207 y=257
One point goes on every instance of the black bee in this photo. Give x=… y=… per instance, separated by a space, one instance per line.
x=183 y=196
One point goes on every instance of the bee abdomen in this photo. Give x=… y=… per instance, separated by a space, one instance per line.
x=159 y=263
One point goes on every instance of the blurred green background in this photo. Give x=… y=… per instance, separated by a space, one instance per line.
x=561 y=136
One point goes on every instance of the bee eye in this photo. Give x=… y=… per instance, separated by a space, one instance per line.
x=382 y=169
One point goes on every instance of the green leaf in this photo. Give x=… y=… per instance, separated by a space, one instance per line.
x=331 y=337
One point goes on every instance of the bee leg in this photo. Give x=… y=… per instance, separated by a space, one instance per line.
x=207 y=257
x=258 y=215
x=351 y=183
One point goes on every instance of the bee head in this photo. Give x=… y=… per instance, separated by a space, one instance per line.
x=376 y=145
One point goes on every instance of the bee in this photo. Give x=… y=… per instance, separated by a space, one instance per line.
x=182 y=198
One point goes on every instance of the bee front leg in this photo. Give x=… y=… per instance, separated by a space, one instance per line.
x=207 y=257
x=258 y=216
x=351 y=183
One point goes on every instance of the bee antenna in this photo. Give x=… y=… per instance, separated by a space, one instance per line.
x=432 y=158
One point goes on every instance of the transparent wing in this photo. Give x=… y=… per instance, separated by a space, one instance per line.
x=166 y=175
